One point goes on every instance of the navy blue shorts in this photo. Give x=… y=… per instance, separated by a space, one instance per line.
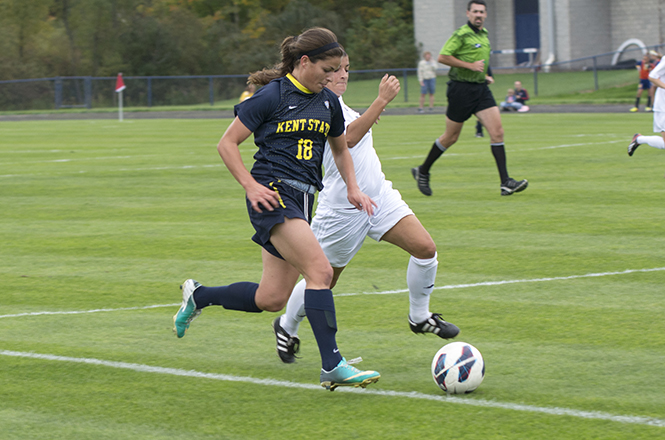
x=466 y=99
x=293 y=204
x=645 y=83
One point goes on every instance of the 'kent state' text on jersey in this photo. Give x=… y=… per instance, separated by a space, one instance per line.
x=291 y=125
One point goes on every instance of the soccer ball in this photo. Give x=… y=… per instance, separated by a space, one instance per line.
x=458 y=368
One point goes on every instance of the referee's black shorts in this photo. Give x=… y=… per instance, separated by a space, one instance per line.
x=466 y=99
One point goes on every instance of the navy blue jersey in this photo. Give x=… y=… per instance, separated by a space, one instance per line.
x=291 y=125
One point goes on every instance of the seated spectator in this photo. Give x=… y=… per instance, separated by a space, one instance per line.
x=516 y=99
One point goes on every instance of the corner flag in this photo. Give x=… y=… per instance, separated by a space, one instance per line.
x=119 y=84
x=119 y=87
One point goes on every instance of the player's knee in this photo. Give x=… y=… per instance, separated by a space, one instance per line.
x=320 y=277
x=426 y=250
x=274 y=305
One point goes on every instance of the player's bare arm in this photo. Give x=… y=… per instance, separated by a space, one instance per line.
x=449 y=60
x=657 y=82
x=344 y=164
x=229 y=151
x=388 y=89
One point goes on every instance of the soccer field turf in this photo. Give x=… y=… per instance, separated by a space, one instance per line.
x=560 y=288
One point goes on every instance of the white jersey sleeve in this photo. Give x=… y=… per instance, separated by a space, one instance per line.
x=366 y=163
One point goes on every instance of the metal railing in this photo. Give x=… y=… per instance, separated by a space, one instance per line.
x=87 y=91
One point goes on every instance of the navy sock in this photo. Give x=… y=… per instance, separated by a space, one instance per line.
x=499 y=153
x=236 y=296
x=320 y=310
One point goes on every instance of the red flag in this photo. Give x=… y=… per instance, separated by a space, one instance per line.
x=119 y=84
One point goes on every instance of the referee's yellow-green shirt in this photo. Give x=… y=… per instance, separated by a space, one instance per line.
x=468 y=44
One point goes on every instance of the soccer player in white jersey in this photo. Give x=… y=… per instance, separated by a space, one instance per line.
x=657 y=77
x=341 y=231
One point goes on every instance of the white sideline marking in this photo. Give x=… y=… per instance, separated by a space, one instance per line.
x=385 y=292
x=78 y=312
x=499 y=283
x=638 y=420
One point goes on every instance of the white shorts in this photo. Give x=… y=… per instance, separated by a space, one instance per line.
x=658 y=122
x=341 y=232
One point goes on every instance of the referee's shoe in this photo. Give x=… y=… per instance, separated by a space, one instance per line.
x=422 y=180
x=513 y=186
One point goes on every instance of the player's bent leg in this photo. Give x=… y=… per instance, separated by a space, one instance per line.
x=277 y=282
x=410 y=235
x=296 y=243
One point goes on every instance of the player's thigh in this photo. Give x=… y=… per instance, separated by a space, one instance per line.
x=296 y=243
x=491 y=120
x=410 y=235
x=278 y=279
x=658 y=122
x=340 y=232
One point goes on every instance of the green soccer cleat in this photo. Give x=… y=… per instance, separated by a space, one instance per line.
x=346 y=375
x=188 y=311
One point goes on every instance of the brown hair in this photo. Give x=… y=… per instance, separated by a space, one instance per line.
x=294 y=48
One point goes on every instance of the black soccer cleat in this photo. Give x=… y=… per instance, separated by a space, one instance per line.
x=422 y=180
x=287 y=345
x=513 y=186
x=633 y=144
x=435 y=324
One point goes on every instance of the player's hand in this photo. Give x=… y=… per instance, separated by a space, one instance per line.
x=478 y=66
x=388 y=88
x=489 y=79
x=260 y=196
x=362 y=201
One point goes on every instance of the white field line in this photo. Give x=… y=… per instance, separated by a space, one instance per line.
x=499 y=283
x=141 y=368
x=385 y=292
x=553 y=147
x=78 y=312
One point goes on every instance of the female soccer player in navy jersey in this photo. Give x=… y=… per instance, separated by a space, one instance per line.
x=291 y=117
x=341 y=230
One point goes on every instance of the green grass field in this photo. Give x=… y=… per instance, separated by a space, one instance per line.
x=560 y=287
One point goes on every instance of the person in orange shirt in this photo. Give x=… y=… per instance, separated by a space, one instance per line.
x=644 y=67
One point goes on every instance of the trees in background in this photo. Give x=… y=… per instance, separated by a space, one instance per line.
x=44 y=38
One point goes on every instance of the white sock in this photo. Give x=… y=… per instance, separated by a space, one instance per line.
x=653 y=141
x=295 y=310
x=420 y=276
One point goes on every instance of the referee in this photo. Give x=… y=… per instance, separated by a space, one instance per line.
x=466 y=52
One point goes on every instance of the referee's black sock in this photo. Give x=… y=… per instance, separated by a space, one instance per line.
x=499 y=153
x=436 y=152
x=637 y=102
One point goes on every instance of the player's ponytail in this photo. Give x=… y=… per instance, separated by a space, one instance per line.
x=315 y=43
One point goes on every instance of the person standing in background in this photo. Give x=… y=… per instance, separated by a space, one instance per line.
x=427 y=79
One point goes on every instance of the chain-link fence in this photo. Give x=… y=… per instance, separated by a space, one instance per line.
x=150 y=91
